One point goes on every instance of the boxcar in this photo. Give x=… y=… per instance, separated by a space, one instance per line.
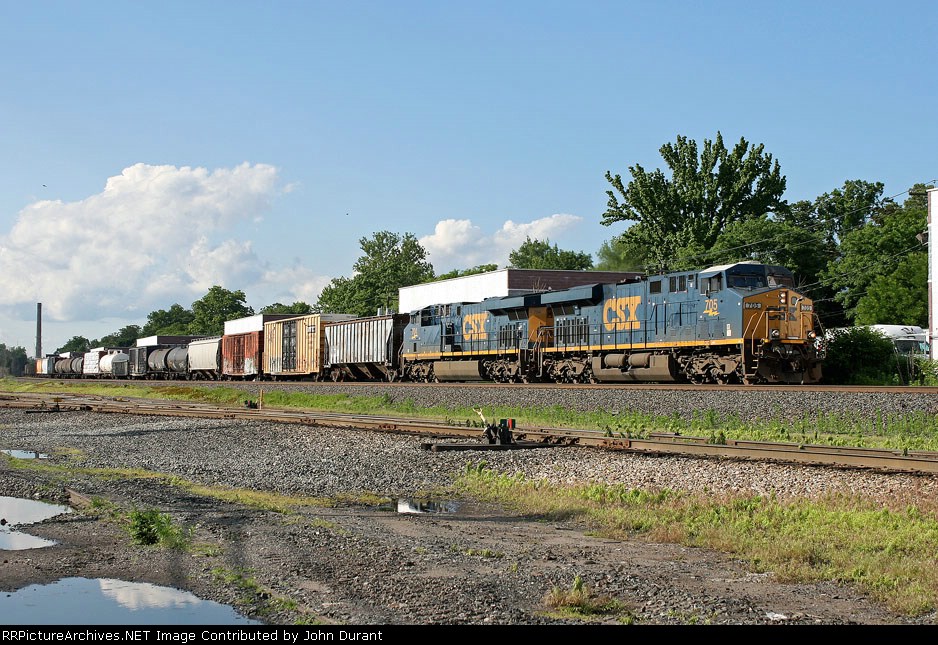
x=294 y=347
x=92 y=364
x=242 y=355
x=45 y=366
x=242 y=346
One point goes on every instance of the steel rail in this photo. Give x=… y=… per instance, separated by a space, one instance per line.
x=658 y=443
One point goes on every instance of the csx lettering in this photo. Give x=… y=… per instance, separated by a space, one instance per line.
x=619 y=314
x=473 y=326
x=713 y=307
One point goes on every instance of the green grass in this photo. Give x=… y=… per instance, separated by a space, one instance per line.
x=579 y=601
x=150 y=527
x=265 y=602
x=887 y=552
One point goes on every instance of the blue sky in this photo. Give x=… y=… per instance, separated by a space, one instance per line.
x=153 y=150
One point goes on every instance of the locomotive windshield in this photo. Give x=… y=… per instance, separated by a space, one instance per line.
x=758 y=277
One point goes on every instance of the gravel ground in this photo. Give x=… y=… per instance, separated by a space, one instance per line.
x=360 y=565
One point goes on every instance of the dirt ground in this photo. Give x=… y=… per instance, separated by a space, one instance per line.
x=374 y=565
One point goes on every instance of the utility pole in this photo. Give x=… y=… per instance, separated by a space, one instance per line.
x=932 y=197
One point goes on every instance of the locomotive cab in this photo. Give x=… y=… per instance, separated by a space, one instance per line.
x=777 y=323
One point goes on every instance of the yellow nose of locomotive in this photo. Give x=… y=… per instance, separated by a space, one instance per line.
x=780 y=315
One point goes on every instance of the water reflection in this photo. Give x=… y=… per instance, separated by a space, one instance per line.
x=103 y=601
x=25 y=454
x=418 y=506
x=14 y=512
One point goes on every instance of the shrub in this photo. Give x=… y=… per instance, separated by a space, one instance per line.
x=860 y=356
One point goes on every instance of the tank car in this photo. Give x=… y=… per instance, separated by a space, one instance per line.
x=114 y=364
x=741 y=322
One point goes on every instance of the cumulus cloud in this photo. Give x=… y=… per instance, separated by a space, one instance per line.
x=154 y=236
x=459 y=244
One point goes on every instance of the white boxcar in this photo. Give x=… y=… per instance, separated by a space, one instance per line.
x=92 y=364
x=205 y=358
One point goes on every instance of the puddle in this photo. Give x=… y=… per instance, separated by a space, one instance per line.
x=106 y=601
x=15 y=512
x=423 y=506
x=25 y=454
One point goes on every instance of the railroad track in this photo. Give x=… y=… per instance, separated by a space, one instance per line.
x=352 y=385
x=657 y=443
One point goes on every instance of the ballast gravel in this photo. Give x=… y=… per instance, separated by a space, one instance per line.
x=348 y=560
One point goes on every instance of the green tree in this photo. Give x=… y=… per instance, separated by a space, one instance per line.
x=12 y=360
x=215 y=308
x=621 y=255
x=899 y=297
x=877 y=263
x=340 y=296
x=458 y=273
x=771 y=240
x=845 y=209
x=75 y=344
x=390 y=261
x=126 y=337
x=172 y=322
x=680 y=218
x=299 y=308
x=537 y=254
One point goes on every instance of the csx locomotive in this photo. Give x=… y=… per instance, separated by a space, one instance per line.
x=740 y=322
x=736 y=323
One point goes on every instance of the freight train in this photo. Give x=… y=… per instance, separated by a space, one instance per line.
x=736 y=323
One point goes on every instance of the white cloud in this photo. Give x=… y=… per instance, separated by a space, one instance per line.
x=154 y=236
x=289 y=285
x=459 y=244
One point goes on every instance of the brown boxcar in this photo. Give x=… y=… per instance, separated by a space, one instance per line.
x=294 y=347
x=242 y=355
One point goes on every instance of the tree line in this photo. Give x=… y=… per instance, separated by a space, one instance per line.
x=858 y=254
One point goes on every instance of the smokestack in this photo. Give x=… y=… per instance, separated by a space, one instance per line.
x=38 y=330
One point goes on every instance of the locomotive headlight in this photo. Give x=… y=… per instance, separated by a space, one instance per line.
x=783 y=297
x=775 y=333
x=812 y=335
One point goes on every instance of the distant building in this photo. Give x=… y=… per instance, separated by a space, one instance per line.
x=502 y=282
